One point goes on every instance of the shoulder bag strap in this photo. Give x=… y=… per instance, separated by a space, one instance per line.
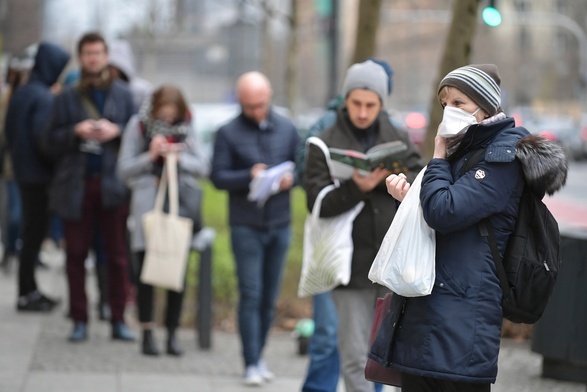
x=89 y=106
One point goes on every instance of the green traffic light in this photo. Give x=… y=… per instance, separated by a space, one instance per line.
x=491 y=16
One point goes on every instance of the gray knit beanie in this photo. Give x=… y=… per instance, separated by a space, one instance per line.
x=367 y=75
x=480 y=82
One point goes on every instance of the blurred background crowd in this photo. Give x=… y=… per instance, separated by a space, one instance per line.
x=304 y=46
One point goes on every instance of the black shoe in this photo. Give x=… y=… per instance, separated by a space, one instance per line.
x=35 y=302
x=149 y=347
x=172 y=345
x=79 y=333
x=121 y=332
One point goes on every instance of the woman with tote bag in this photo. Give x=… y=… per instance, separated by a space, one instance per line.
x=161 y=128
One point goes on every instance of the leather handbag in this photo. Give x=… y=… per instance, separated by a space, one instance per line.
x=374 y=371
x=168 y=236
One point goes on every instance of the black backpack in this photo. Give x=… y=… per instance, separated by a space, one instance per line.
x=527 y=271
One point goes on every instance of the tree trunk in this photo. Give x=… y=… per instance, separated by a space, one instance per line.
x=367 y=26
x=457 y=52
x=291 y=75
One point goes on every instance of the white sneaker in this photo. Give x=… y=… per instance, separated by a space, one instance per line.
x=252 y=376
x=264 y=371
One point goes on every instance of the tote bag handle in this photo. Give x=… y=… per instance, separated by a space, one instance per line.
x=169 y=175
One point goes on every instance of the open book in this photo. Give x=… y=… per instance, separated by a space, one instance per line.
x=390 y=155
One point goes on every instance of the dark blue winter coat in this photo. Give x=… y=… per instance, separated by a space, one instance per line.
x=238 y=146
x=29 y=113
x=67 y=188
x=454 y=333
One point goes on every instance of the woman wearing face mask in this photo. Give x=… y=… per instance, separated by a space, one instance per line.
x=449 y=340
x=162 y=125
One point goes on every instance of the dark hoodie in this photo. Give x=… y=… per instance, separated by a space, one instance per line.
x=29 y=113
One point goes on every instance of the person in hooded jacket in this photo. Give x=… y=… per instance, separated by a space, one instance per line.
x=449 y=340
x=122 y=66
x=28 y=113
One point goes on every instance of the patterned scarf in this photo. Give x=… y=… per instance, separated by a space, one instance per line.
x=152 y=127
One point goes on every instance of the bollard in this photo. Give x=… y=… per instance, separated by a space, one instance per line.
x=203 y=242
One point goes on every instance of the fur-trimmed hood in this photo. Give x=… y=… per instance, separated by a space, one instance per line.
x=544 y=162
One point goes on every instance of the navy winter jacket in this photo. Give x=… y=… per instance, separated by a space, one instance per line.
x=454 y=333
x=29 y=113
x=239 y=145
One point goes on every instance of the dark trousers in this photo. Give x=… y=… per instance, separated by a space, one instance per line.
x=145 y=300
x=35 y=214
x=411 y=383
x=78 y=238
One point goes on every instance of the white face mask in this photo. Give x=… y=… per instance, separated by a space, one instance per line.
x=455 y=121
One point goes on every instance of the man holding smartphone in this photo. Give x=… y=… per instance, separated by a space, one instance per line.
x=84 y=136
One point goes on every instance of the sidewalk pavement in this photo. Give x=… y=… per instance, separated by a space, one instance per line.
x=36 y=357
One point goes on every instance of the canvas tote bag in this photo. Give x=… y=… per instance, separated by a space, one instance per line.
x=167 y=235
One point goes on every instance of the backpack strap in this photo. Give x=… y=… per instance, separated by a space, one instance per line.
x=473 y=159
x=486 y=228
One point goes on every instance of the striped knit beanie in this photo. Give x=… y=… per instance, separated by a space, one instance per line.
x=480 y=82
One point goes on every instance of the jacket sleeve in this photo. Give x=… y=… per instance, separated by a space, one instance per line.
x=58 y=136
x=451 y=205
x=223 y=174
x=317 y=177
x=133 y=157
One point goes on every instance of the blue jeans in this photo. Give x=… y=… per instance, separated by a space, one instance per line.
x=324 y=369
x=260 y=257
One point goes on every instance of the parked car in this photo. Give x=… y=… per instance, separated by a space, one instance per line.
x=563 y=130
x=208 y=117
x=413 y=122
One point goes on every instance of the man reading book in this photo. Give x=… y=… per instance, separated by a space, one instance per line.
x=360 y=125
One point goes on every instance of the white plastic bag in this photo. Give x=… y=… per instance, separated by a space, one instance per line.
x=405 y=263
x=328 y=244
x=328 y=249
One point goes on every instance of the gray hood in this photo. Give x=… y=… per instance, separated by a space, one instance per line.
x=120 y=56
